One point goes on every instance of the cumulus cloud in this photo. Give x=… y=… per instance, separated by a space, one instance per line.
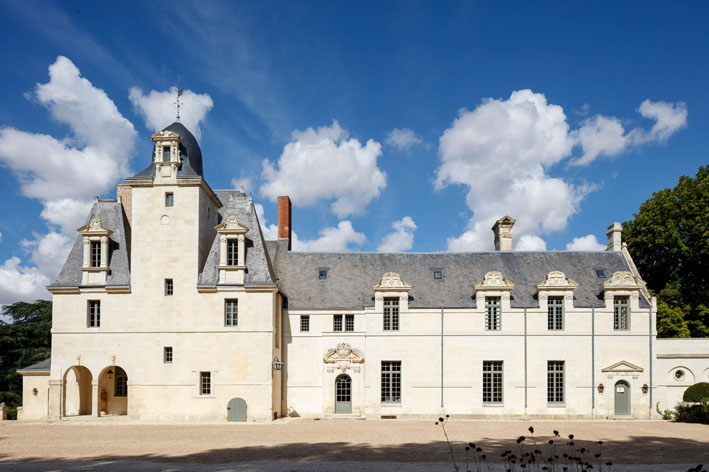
x=585 y=243
x=64 y=174
x=244 y=182
x=18 y=282
x=332 y=239
x=159 y=110
x=402 y=139
x=402 y=238
x=326 y=164
x=502 y=152
x=530 y=242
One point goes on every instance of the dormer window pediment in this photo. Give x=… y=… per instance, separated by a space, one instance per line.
x=493 y=281
x=232 y=250
x=95 y=264
x=557 y=280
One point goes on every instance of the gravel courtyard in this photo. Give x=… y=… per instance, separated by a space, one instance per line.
x=332 y=440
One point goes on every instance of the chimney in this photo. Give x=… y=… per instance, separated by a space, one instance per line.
x=503 y=233
x=615 y=242
x=284 y=219
x=124 y=194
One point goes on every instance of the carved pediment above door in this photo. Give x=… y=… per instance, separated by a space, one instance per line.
x=344 y=357
x=623 y=367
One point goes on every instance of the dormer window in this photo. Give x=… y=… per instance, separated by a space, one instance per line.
x=167 y=154
x=322 y=274
x=232 y=252
x=437 y=274
x=95 y=254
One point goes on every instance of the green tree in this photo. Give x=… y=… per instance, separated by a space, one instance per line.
x=25 y=340
x=669 y=241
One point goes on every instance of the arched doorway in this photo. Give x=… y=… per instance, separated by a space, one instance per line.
x=236 y=410
x=77 y=391
x=113 y=391
x=343 y=394
x=622 y=398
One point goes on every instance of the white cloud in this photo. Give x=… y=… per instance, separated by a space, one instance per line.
x=159 y=110
x=64 y=174
x=332 y=239
x=402 y=139
x=585 y=243
x=530 y=242
x=242 y=181
x=0 y=237
x=402 y=238
x=502 y=151
x=323 y=164
x=21 y=283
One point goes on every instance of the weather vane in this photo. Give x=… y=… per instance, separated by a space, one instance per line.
x=177 y=102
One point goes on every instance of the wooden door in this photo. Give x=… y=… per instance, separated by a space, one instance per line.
x=343 y=394
x=622 y=399
x=236 y=410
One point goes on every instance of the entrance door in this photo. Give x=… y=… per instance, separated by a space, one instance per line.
x=343 y=394
x=236 y=410
x=622 y=399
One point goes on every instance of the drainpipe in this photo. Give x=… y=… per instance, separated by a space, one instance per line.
x=441 y=357
x=649 y=312
x=525 y=362
x=593 y=362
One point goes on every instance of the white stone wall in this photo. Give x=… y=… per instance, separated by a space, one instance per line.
x=691 y=356
x=34 y=407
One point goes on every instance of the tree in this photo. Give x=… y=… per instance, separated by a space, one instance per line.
x=23 y=341
x=669 y=241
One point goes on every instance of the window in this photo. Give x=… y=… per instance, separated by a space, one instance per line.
x=209 y=213
x=349 y=322
x=95 y=254
x=322 y=274
x=94 y=318
x=232 y=252
x=555 y=310
x=231 y=312
x=600 y=274
x=620 y=313
x=169 y=199
x=167 y=355
x=493 y=314
x=166 y=153
x=121 y=383
x=304 y=323
x=205 y=383
x=168 y=287
x=492 y=381
x=391 y=381
x=679 y=374
x=337 y=322
x=391 y=314
x=555 y=381
x=437 y=274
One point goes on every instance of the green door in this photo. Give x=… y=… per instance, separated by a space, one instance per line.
x=622 y=399
x=343 y=394
x=236 y=410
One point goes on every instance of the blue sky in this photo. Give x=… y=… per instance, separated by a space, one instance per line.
x=392 y=125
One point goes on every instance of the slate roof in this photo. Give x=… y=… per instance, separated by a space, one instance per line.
x=112 y=217
x=259 y=270
x=42 y=366
x=190 y=153
x=351 y=275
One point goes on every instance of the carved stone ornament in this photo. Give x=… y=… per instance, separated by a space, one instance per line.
x=494 y=281
x=623 y=280
x=391 y=281
x=94 y=228
x=343 y=357
x=557 y=280
x=162 y=136
x=622 y=367
x=231 y=225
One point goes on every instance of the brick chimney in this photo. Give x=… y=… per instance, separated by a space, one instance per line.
x=284 y=219
x=615 y=242
x=124 y=194
x=503 y=233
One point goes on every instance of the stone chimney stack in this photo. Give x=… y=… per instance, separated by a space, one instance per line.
x=284 y=219
x=615 y=243
x=124 y=194
x=503 y=233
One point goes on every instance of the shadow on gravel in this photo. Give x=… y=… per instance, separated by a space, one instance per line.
x=639 y=450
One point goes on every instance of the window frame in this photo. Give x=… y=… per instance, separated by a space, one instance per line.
x=93 y=317
x=556 y=383
x=231 y=318
x=493 y=387
x=166 y=151
x=169 y=199
x=167 y=355
x=95 y=254
x=304 y=323
x=621 y=313
x=232 y=252
x=555 y=313
x=120 y=384
x=437 y=275
x=337 y=323
x=391 y=311
x=349 y=323
x=493 y=313
x=205 y=383
x=322 y=274
x=169 y=287
x=390 y=383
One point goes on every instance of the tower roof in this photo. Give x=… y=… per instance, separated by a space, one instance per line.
x=190 y=153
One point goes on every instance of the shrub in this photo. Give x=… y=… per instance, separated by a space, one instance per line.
x=689 y=413
x=697 y=393
x=12 y=413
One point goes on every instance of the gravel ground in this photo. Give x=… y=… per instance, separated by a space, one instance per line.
x=345 y=442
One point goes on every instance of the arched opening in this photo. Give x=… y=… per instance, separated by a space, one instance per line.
x=622 y=398
x=113 y=391
x=236 y=410
x=343 y=394
x=77 y=391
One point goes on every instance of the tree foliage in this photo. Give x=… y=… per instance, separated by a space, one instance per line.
x=669 y=241
x=24 y=341
x=699 y=392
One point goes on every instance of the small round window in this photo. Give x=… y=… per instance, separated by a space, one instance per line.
x=679 y=374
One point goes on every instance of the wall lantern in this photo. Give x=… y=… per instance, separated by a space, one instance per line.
x=110 y=374
x=277 y=365
x=600 y=388
x=35 y=391
x=645 y=388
